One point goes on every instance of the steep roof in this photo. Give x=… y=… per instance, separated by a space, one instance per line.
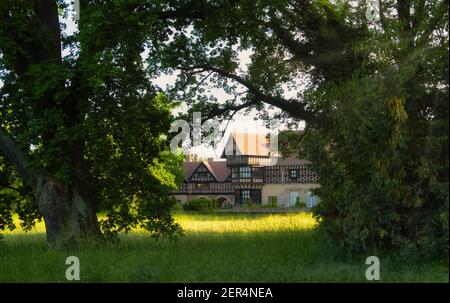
x=247 y=144
x=217 y=168
x=189 y=168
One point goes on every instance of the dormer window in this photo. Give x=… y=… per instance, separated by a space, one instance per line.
x=294 y=173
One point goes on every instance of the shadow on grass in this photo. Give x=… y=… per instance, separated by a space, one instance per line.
x=284 y=256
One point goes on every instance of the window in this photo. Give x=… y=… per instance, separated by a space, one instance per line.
x=245 y=172
x=258 y=173
x=294 y=173
x=245 y=195
x=310 y=199
x=234 y=173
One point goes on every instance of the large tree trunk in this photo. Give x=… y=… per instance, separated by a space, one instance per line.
x=67 y=210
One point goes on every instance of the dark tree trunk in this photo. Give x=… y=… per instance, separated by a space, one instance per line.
x=70 y=219
x=67 y=208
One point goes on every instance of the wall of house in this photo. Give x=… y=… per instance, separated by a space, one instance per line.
x=283 y=192
x=279 y=190
x=180 y=198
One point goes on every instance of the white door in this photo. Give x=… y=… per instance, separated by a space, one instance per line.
x=293 y=199
x=310 y=199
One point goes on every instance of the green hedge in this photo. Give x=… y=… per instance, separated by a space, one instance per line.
x=201 y=204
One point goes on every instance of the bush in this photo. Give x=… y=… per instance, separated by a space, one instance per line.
x=201 y=204
x=273 y=202
x=300 y=203
x=177 y=207
x=250 y=203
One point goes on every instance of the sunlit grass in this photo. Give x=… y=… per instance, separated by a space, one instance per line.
x=244 y=223
x=220 y=223
x=217 y=247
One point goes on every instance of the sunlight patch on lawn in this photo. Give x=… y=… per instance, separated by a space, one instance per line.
x=220 y=223
x=242 y=224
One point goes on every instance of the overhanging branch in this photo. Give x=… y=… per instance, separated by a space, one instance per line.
x=294 y=107
x=10 y=148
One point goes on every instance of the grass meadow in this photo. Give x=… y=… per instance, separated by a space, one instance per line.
x=217 y=247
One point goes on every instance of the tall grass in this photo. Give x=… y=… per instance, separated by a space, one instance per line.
x=216 y=248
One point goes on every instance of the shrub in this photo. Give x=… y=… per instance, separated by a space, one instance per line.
x=300 y=203
x=177 y=207
x=250 y=203
x=273 y=202
x=200 y=204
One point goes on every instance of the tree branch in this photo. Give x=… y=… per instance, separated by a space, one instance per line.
x=10 y=148
x=234 y=108
x=295 y=108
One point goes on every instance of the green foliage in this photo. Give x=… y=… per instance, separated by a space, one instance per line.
x=289 y=143
x=273 y=202
x=177 y=207
x=376 y=106
x=249 y=203
x=201 y=204
x=383 y=165
x=300 y=203
x=15 y=197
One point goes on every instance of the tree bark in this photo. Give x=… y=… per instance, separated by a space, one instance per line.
x=67 y=209
x=69 y=217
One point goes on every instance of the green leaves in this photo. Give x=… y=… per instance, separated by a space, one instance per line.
x=15 y=198
x=377 y=167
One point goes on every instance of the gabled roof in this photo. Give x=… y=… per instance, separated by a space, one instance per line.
x=189 y=168
x=247 y=144
x=217 y=168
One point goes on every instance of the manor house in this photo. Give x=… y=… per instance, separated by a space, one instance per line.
x=247 y=172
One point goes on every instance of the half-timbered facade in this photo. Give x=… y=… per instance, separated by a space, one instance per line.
x=247 y=173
